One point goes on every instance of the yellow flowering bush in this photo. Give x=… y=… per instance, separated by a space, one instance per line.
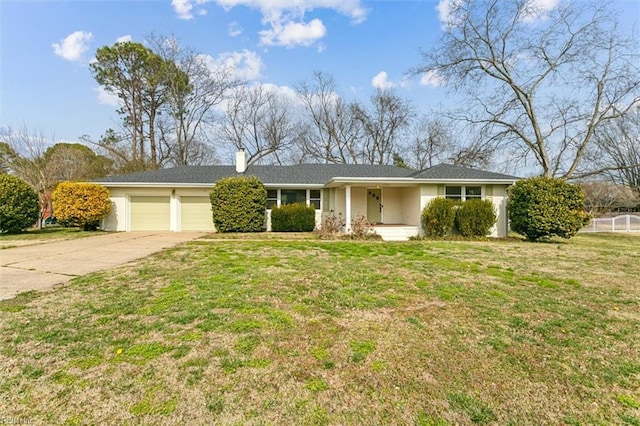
x=80 y=204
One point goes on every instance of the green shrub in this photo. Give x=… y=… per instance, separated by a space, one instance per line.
x=19 y=205
x=239 y=204
x=474 y=218
x=81 y=204
x=541 y=208
x=438 y=217
x=297 y=217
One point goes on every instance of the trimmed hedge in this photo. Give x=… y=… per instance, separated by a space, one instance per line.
x=474 y=218
x=238 y=204
x=438 y=217
x=81 y=204
x=19 y=205
x=297 y=217
x=541 y=208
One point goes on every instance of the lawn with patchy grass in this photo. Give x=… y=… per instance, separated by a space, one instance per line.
x=48 y=234
x=349 y=333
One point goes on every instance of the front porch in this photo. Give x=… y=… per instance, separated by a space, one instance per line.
x=396 y=232
x=394 y=209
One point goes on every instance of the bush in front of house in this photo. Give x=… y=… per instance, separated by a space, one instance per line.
x=362 y=229
x=296 y=217
x=19 y=205
x=238 y=204
x=541 y=207
x=474 y=218
x=438 y=217
x=81 y=204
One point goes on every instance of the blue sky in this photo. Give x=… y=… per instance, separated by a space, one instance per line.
x=46 y=47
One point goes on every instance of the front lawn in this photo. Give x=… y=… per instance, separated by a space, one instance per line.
x=47 y=234
x=345 y=333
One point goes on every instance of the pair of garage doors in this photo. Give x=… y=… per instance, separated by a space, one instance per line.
x=154 y=213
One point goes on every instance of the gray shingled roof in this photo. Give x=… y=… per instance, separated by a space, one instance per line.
x=451 y=172
x=301 y=174
x=298 y=174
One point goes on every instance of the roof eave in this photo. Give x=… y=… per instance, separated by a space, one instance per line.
x=338 y=181
x=201 y=185
x=461 y=181
x=155 y=184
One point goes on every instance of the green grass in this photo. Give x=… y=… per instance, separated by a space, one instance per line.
x=46 y=234
x=265 y=331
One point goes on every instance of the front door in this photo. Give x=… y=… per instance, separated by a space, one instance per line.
x=374 y=205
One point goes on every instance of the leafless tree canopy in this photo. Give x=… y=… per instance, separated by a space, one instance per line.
x=602 y=196
x=541 y=87
x=434 y=139
x=341 y=132
x=260 y=121
x=22 y=153
x=383 y=123
x=194 y=89
x=618 y=150
x=331 y=132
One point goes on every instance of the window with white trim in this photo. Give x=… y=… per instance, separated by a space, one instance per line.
x=462 y=193
x=292 y=196
x=281 y=197
x=272 y=198
x=314 y=198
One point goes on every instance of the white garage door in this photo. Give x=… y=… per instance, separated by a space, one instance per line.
x=195 y=214
x=150 y=213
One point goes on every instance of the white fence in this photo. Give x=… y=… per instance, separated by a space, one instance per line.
x=623 y=223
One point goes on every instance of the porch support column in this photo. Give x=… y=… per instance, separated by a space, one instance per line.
x=347 y=223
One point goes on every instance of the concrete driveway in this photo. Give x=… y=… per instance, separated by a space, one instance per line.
x=41 y=266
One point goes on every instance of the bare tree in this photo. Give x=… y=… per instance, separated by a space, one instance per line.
x=332 y=133
x=194 y=88
x=382 y=123
x=116 y=146
x=428 y=142
x=260 y=121
x=22 y=154
x=74 y=161
x=603 y=196
x=541 y=87
x=436 y=139
x=618 y=150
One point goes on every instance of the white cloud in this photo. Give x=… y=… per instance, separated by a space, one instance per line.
x=381 y=81
x=534 y=10
x=105 y=97
x=431 y=78
x=448 y=13
x=285 y=91
x=73 y=46
x=284 y=20
x=235 y=29
x=291 y=34
x=245 y=65
x=184 y=8
x=124 y=39
x=350 y=8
